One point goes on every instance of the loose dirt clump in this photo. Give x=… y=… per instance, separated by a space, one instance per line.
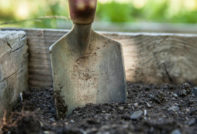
x=149 y=109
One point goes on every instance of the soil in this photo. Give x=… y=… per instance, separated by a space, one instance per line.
x=150 y=109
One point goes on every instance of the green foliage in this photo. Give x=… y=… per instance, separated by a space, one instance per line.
x=47 y=15
x=156 y=10
x=186 y=17
x=114 y=12
x=153 y=11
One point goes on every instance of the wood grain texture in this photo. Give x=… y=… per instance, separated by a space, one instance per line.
x=160 y=59
x=13 y=67
x=148 y=58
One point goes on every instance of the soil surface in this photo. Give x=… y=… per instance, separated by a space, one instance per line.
x=150 y=109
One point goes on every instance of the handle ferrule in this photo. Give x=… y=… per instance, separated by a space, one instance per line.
x=82 y=11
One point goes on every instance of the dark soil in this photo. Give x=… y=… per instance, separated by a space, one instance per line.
x=150 y=109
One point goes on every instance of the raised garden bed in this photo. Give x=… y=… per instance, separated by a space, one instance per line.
x=13 y=67
x=150 y=108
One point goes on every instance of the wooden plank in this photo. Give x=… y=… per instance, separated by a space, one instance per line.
x=148 y=57
x=38 y=84
x=13 y=68
x=40 y=78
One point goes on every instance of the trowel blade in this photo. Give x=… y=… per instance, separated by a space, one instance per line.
x=94 y=75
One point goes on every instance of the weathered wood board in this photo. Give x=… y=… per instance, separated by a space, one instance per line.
x=13 y=67
x=149 y=58
x=160 y=58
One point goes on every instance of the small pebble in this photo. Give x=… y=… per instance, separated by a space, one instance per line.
x=191 y=122
x=52 y=119
x=148 y=105
x=145 y=112
x=173 y=108
x=195 y=91
x=175 y=95
x=176 y=131
x=137 y=115
x=48 y=132
x=182 y=93
x=121 y=108
x=186 y=85
x=72 y=121
x=136 y=104
x=187 y=110
x=21 y=96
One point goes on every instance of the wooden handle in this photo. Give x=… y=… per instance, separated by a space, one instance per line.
x=82 y=11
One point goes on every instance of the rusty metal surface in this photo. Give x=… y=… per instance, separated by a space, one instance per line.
x=87 y=68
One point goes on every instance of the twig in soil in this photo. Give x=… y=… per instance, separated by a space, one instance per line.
x=3 y=122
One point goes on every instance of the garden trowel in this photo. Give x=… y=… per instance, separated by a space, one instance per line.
x=87 y=67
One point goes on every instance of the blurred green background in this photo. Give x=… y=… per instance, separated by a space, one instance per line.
x=54 y=13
